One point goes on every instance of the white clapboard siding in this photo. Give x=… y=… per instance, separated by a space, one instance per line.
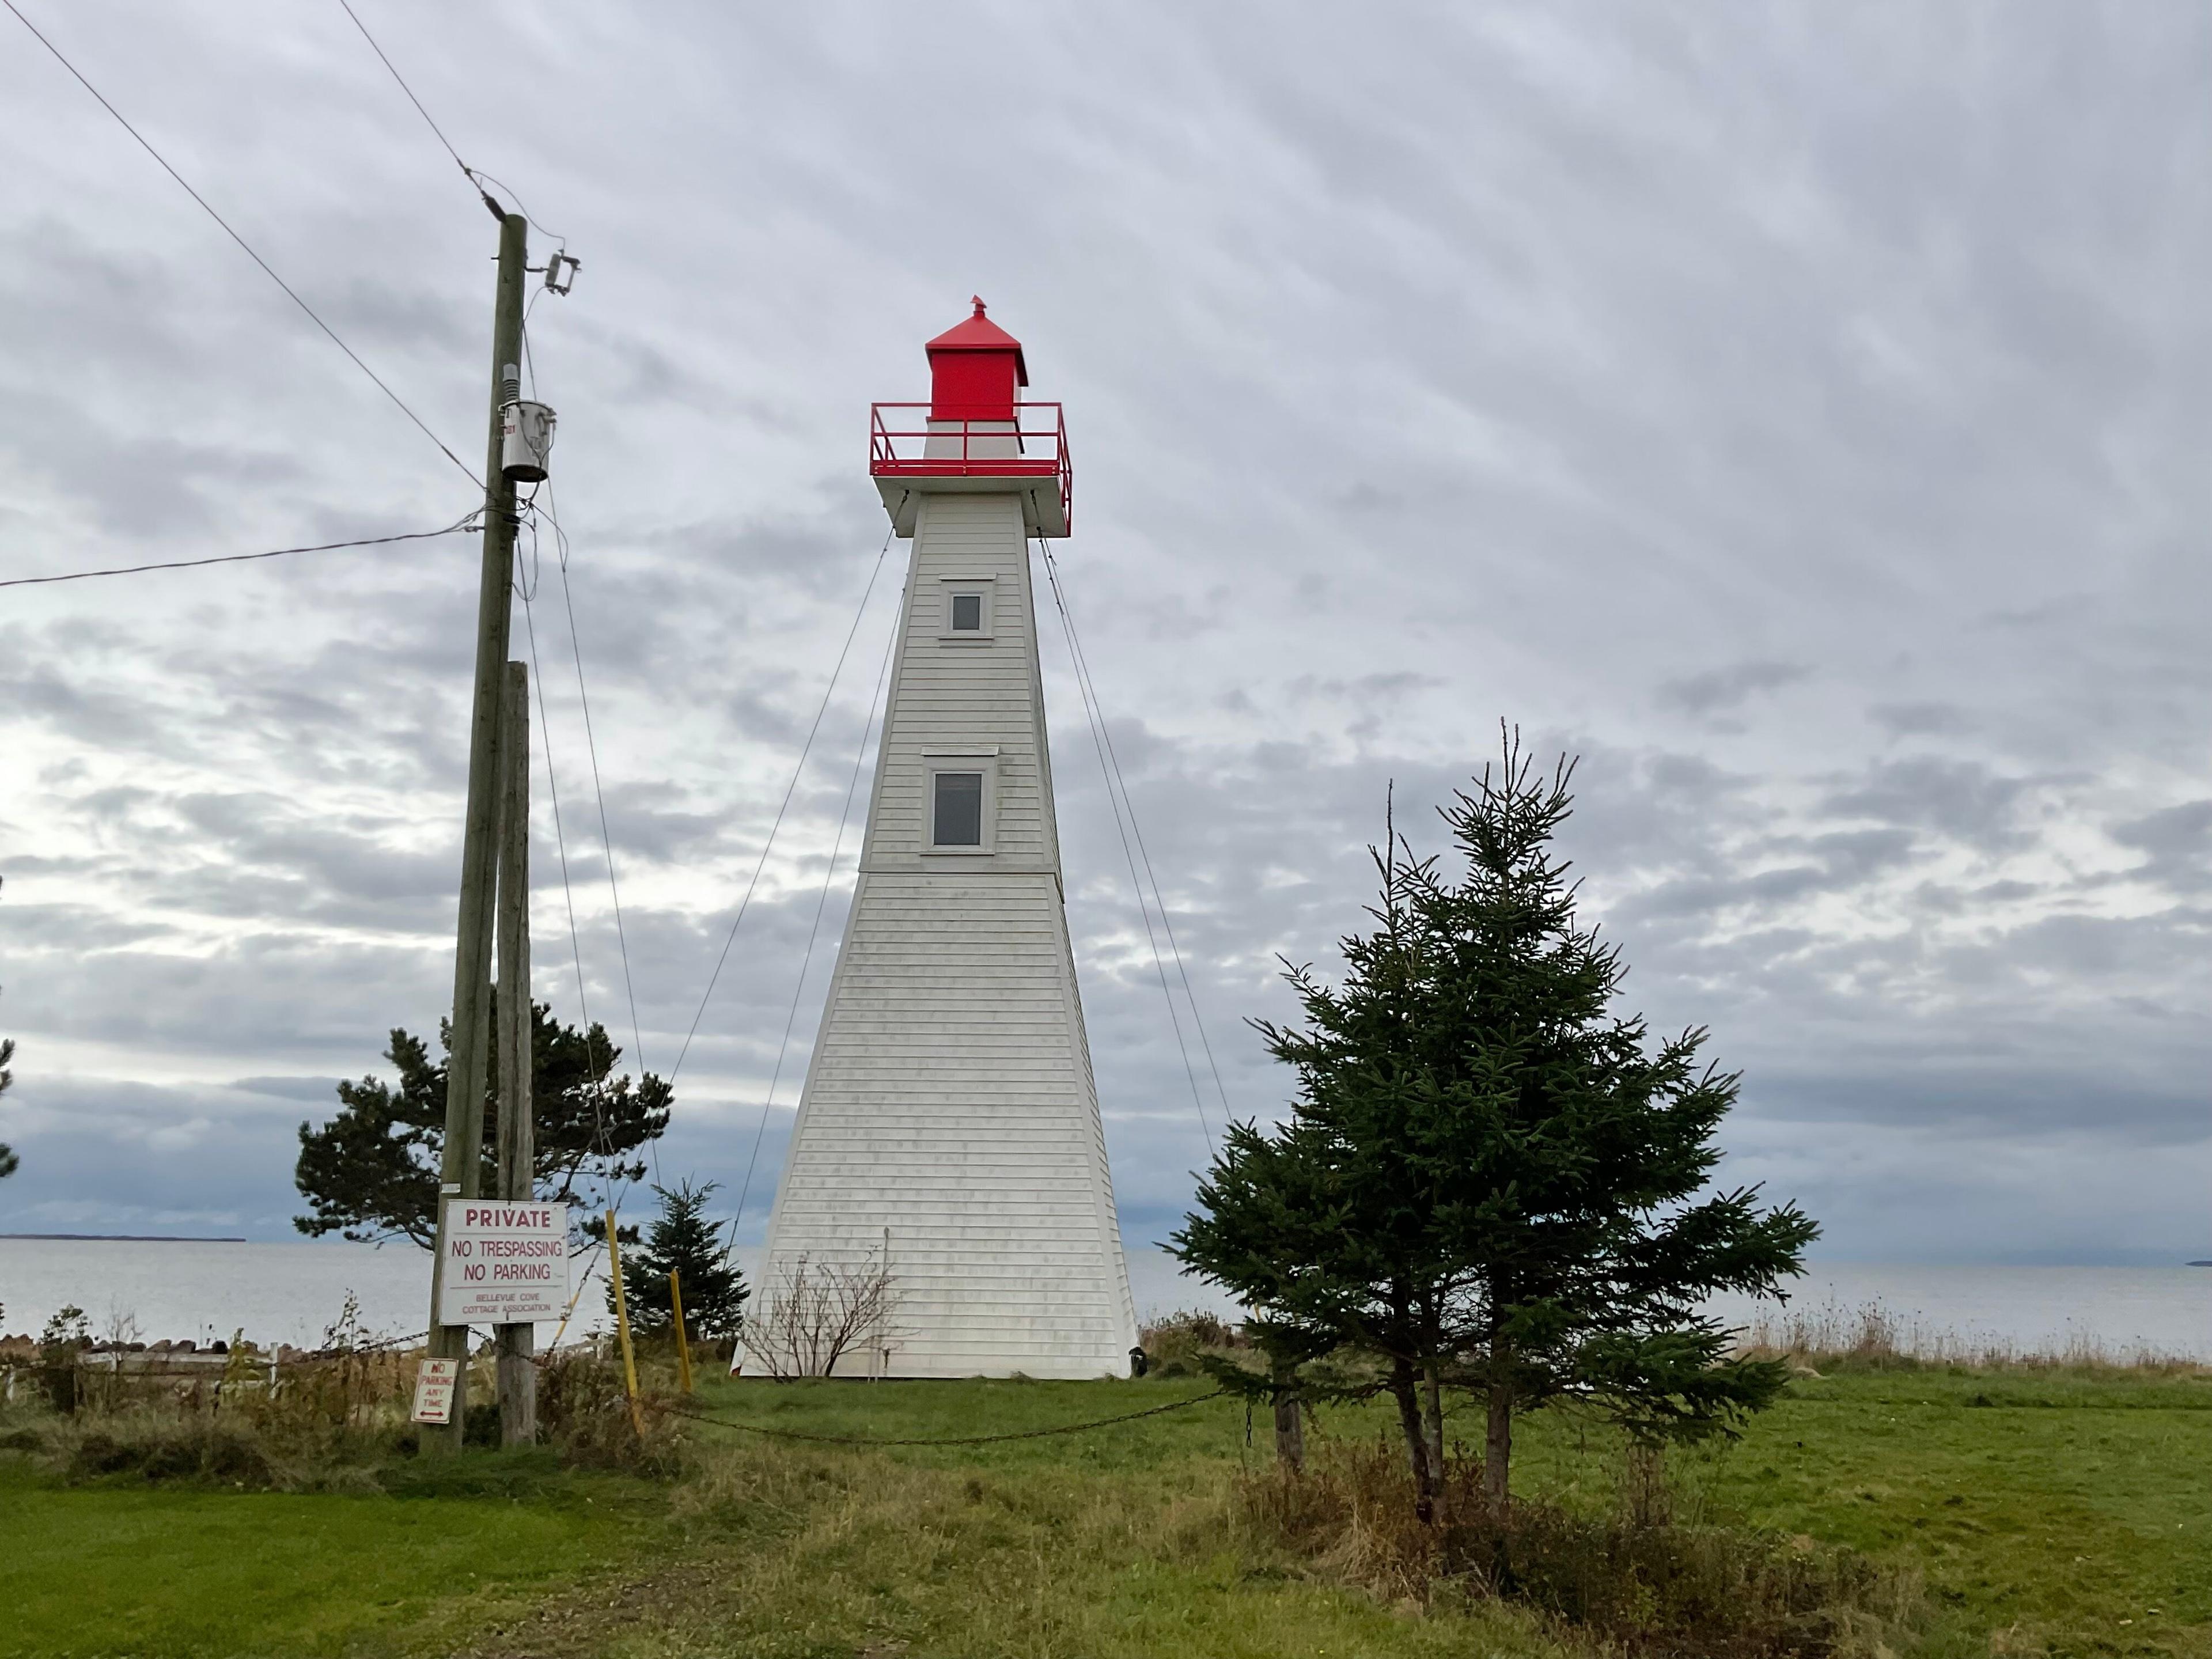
x=950 y=1118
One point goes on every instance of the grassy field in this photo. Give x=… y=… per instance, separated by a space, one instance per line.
x=2066 y=1513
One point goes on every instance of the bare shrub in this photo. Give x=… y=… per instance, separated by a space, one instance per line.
x=821 y=1312
x=1350 y=1513
x=583 y=1413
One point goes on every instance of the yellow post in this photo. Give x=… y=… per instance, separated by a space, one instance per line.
x=683 y=1343
x=622 y=1327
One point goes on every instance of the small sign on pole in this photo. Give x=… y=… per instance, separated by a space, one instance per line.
x=434 y=1390
x=504 y=1264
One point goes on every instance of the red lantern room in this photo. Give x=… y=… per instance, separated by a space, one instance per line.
x=976 y=435
x=975 y=371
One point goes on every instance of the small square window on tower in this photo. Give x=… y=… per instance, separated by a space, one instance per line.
x=956 y=818
x=967 y=611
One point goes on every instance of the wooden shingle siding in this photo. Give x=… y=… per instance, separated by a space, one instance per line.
x=949 y=1104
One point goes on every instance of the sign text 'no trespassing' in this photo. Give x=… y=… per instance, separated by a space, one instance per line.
x=505 y=1263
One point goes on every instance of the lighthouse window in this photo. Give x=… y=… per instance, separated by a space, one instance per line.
x=966 y=617
x=956 y=817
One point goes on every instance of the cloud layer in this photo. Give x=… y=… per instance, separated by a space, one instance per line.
x=1799 y=416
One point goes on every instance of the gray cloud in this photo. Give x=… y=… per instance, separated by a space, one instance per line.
x=1716 y=691
x=1798 y=424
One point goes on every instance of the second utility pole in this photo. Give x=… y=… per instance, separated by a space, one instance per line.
x=468 y=1060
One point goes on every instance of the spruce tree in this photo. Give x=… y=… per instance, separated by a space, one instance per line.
x=1491 y=1180
x=682 y=1241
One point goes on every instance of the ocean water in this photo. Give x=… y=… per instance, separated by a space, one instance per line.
x=2117 y=1312
x=275 y=1292
x=289 y=1292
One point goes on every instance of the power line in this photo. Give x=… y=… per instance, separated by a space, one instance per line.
x=606 y=837
x=478 y=177
x=238 y=558
x=473 y=175
x=293 y=295
x=561 y=845
x=405 y=87
x=806 y=749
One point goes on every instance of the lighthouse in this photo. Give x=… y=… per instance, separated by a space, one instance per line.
x=948 y=1152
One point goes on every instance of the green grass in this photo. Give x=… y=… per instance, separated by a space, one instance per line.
x=116 y=1569
x=2062 y=1513
x=2041 y=1511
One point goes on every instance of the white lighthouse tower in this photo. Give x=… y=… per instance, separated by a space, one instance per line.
x=949 y=1134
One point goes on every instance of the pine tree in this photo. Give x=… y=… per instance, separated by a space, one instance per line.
x=682 y=1241
x=372 y=1171
x=1491 y=1180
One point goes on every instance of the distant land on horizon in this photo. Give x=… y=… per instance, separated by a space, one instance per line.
x=129 y=1238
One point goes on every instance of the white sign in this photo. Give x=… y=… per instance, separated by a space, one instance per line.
x=434 y=1390
x=505 y=1263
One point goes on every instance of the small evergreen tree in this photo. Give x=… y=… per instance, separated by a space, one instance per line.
x=682 y=1241
x=1491 y=1180
x=372 y=1171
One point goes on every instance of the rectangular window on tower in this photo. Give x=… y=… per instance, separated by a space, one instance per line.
x=966 y=614
x=956 y=809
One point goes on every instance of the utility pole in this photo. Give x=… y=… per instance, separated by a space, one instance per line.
x=467 y=1069
x=517 y=1374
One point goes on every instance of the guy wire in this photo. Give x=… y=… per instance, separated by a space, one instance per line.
x=560 y=844
x=821 y=903
x=1136 y=830
x=806 y=749
x=1111 y=773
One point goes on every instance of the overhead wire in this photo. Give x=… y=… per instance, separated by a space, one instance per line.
x=403 y=87
x=814 y=933
x=560 y=841
x=474 y=175
x=599 y=791
x=784 y=806
x=1111 y=773
x=552 y=514
x=290 y=292
x=458 y=524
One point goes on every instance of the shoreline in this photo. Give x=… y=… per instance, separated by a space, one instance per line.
x=129 y=1238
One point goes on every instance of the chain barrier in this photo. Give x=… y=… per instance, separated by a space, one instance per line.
x=956 y=1440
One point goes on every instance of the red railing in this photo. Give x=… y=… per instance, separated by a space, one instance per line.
x=910 y=444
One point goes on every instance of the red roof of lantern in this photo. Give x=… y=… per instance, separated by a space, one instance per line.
x=979 y=333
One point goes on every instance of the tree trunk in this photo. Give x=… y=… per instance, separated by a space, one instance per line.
x=1432 y=1422
x=1404 y=1388
x=1290 y=1429
x=1497 y=1452
x=1645 y=1497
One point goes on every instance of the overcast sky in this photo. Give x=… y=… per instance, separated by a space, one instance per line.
x=1799 y=412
